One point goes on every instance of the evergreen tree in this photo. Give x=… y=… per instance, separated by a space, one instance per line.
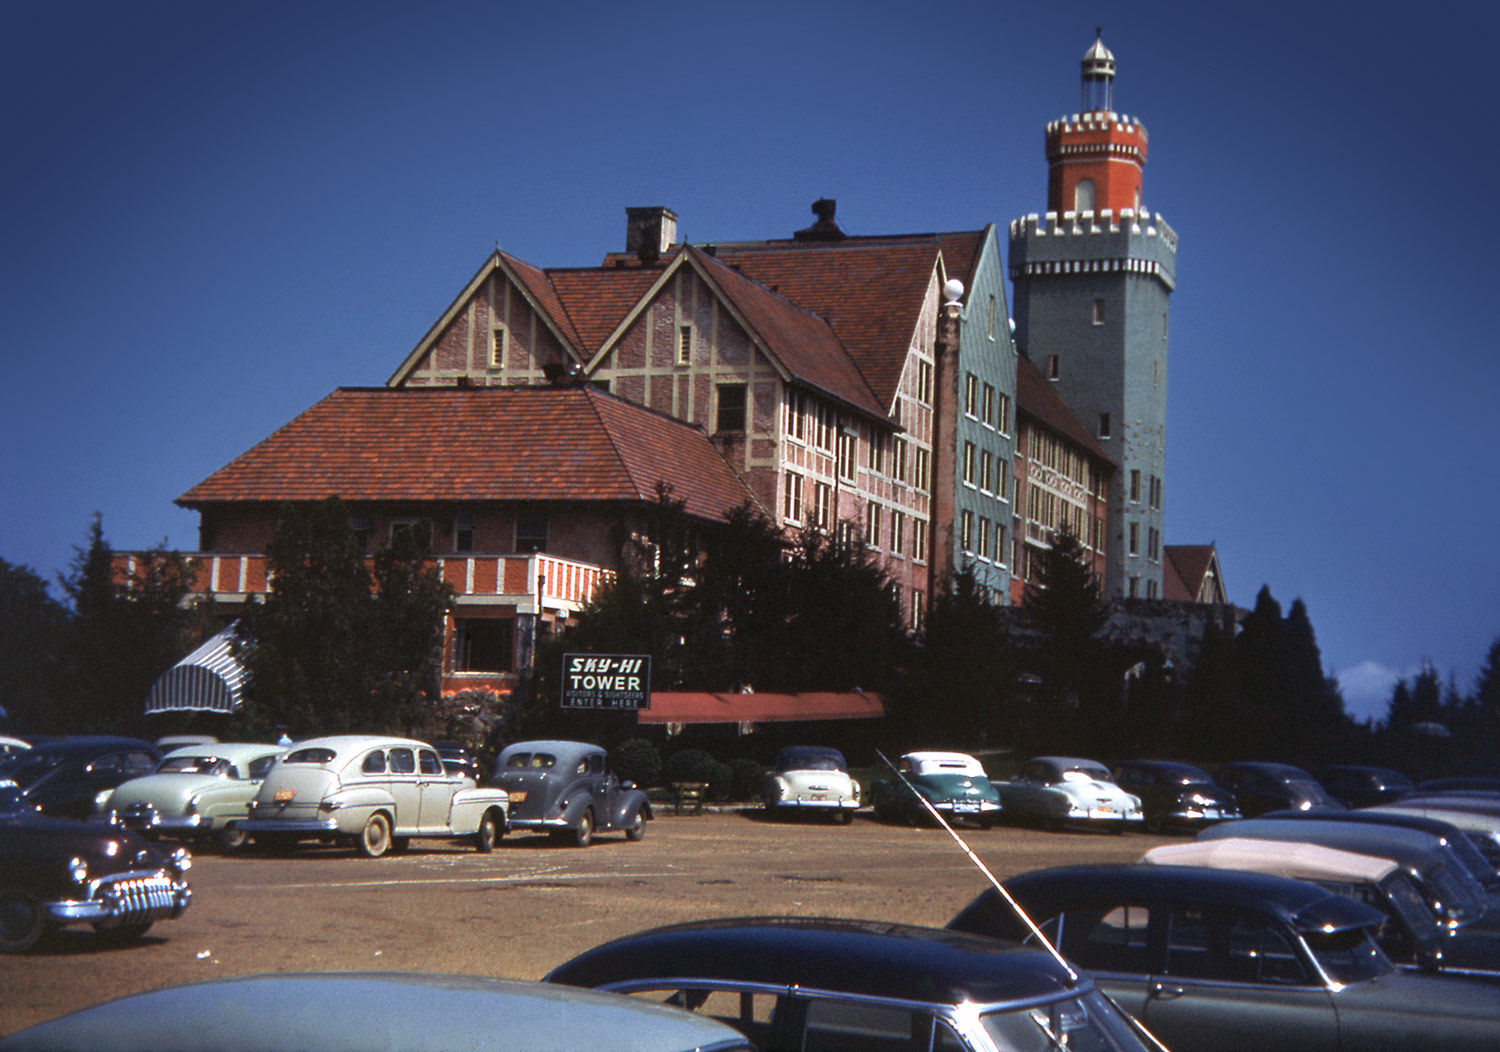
x=963 y=672
x=1487 y=700
x=1062 y=605
x=33 y=640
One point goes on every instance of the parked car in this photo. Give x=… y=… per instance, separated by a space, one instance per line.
x=1463 y=784
x=1211 y=960
x=376 y=1012
x=1262 y=787
x=1477 y=816
x=813 y=779
x=1175 y=796
x=566 y=789
x=65 y=776
x=1413 y=935
x=1428 y=858
x=1054 y=791
x=457 y=759
x=1354 y=785
x=822 y=984
x=374 y=792
x=1462 y=848
x=200 y=792
x=952 y=782
x=58 y=871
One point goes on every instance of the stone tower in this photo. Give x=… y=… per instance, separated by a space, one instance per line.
x=1092 y=283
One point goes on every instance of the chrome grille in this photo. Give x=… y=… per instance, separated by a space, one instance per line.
x=139 y=897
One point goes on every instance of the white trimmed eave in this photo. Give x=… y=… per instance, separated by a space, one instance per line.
x=495 y=262
x=635 y=312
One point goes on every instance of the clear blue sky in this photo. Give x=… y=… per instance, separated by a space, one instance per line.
x=215 y=214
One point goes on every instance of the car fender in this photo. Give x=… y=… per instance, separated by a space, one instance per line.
x=626 y=807
x=578 y=803
x=469 y=806
x=355 y=805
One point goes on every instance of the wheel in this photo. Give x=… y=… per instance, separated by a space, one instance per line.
x=375 y=839
x=1155 y=822
x=987 y=821
x=583 y=832
x=124 y=934
x=845 y=815
x=230 y=839
x=487 y=834
x=21 y=921
x=637 y=829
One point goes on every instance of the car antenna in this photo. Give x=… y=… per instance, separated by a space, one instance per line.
x=1014 y=905
x=994 y=880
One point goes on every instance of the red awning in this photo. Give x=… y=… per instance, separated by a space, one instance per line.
x=690 y=707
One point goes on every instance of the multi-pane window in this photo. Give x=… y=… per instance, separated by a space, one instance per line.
x=971 y=395
x=879 y=443
x=872 y=524
x=826 y=424
x=919 y=539
x=918 y=609
x=966 y=531
x=971 y=464
x=921 y=468
x=924 y=382
x=1135 y=485
x=794 y=415
x=791 y=501
x=463 y=532
x=898 y=459
x=984 y=537
x=1002 y=420
x=823 y=505
x=1134 y=547
x=731 y=415
x=531 y=531
x=986 y=471
x=898 y=532
x=987 y=406
x=1000 y=550
x=1153 y=543
x=684 y=345
x=1156 y=492
x=848 y=443
x=498 y=338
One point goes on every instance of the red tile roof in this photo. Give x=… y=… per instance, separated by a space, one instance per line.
x=686 y=707
x=1185 y=566
x=1036 y=397
x=472 y=444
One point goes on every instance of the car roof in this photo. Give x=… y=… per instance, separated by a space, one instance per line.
x=1281 y=770
x=558 y=747
x=82 y=744
x=345 y=744
x=941 y=762
x=373 y=1012
x=1410 y=847
x=861 y=958
x=1302 y=905
x=1280 y=858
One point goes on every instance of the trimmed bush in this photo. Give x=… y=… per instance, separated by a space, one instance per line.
x=636 y=760
x=695 y=765
x=745 y=776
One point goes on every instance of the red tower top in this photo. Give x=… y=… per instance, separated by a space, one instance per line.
x=1095 y=157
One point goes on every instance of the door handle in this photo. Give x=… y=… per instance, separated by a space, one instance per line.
x=1162 y=992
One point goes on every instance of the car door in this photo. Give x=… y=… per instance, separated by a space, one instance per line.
x=1221 y=972
x=438 y=787
x=405 y=788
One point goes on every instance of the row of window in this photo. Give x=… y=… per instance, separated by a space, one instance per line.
x=531 y=531
x=986 y=472
x=1063 y=457
x=983 y=403
x=1153 y=541
x=979 y=536
x=1054 y=512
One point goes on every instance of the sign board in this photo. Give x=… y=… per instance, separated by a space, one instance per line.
x=606 y=681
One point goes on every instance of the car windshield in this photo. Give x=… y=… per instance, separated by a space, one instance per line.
x=1454 y=896
x=193 y=765
x=1348 y=956
x=1086 y=774
x=1079 y=1024
x=313 y=756
x=810 y=760
x=1188 y=776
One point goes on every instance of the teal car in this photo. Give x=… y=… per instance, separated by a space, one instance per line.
x=953 y=783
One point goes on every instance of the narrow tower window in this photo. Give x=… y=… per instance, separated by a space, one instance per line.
x=684 y=345
x=1098 y=312
x=1053 y=367
x=1083 y=196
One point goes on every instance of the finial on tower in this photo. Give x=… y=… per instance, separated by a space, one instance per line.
x=1098 y=76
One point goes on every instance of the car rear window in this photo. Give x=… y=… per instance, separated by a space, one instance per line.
x=313 y=756
x=811 y=760
x=193 y=765
x=538 y=760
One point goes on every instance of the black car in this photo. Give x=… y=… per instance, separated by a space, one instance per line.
x=457 y=759
x=566 y=789
x=1354 y=785
x=823 y=985
x=56 y=871
x=1174 y=795
x=1212 y=960
x=65 y=776
x=1262 y=787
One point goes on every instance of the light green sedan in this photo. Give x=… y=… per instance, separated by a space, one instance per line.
x=198 y=792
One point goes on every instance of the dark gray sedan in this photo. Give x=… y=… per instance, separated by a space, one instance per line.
x=566 y=789
x=1218 y=961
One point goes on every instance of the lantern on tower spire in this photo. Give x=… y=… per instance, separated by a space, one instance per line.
x=1098 y=76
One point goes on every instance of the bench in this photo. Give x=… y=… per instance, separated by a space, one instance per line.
x=689 y=794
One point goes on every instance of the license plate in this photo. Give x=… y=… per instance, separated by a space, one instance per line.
x=283 y=795
x=517 y=796
x=1105 y=811
x=818 y=796
x=965 y=806
x=1210 y=812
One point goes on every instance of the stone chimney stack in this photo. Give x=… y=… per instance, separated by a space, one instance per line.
x=649 y=231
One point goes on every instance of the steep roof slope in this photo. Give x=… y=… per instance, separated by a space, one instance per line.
x=572 y=444
x=1036 y=397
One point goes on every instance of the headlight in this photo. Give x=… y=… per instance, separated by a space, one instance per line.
x=101 y=799
x=182 y=859
x=192 y=805
x=78 y=871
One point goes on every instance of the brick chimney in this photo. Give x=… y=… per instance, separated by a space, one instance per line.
x=649 y=232
x=827 y=227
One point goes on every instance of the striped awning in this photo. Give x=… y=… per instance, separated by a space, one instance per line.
x=207 y=680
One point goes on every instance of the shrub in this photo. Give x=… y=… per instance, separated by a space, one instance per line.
x=745 y=776
x=695 y=765
x=636 y=760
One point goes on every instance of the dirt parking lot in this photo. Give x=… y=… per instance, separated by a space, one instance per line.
x=530 y=905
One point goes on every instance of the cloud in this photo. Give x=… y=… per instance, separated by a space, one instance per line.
x=1367 y=689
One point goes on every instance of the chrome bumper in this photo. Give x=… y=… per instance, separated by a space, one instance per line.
x=123 y=899
x=305 y=826
x=852 y=805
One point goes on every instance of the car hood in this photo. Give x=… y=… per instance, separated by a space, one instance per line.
x=1468 y=1008
x=25 y=839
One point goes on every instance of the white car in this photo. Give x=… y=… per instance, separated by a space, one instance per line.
x=198 y=791
x=1053 y=791
x=811 y=778
x=373 y=791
